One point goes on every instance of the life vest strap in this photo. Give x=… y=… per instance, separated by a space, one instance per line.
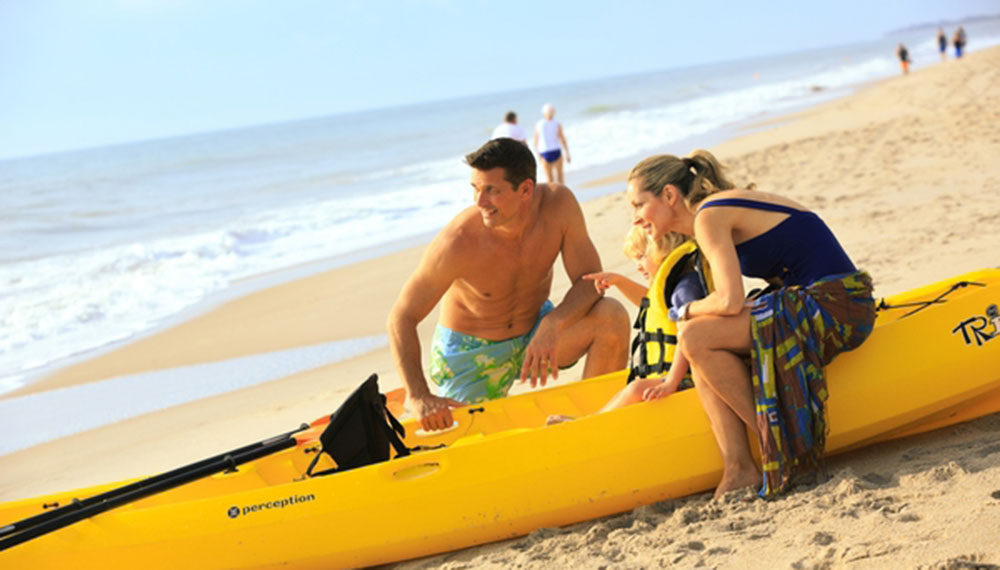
x=660 y=337
x=643 y=368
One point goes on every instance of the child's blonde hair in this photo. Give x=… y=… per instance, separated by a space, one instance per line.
x=639 y=244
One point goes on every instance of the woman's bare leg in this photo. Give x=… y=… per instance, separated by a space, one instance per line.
x=713 y=345
x=738 y=467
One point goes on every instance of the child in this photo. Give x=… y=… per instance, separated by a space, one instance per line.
x=675 y=285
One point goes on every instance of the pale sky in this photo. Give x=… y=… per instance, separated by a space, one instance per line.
x=82 y=73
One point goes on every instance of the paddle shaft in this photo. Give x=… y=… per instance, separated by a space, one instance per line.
x=45 y=523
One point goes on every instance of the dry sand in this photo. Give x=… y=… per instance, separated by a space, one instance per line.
x=906 y=172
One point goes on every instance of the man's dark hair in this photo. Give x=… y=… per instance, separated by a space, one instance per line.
x=510 y=117
x=513 y=156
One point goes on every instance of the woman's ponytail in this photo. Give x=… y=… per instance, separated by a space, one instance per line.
x=696 y=176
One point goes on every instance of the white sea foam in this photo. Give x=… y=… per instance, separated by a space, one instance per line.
x=96 y=247
x=61 y=305
x=621 y=134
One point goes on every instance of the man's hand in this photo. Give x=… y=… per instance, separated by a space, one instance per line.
x=540 y=355
x=434 y=412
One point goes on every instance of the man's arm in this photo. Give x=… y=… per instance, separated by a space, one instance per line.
x=580 y=258
x=420 y=294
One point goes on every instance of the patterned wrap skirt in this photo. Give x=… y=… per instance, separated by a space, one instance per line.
x=796 y=332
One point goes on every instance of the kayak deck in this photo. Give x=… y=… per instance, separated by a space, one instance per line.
x=503 y=473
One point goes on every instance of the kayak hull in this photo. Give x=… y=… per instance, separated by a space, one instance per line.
x=504 y=474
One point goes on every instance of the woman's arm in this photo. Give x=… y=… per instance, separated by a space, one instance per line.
x=713 y=230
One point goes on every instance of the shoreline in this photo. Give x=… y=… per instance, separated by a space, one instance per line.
x=41 y=379
x=595 y=183
x=903 y=171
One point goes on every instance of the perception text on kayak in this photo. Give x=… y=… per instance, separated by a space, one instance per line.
x=279 y=504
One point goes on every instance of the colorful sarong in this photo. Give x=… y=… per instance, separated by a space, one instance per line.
x=796 y=332
x=473 y=369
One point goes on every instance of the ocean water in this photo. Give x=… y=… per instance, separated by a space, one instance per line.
x=98 y=246
x=42 y=416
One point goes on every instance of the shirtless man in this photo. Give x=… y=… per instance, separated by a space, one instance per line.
x=492 y=268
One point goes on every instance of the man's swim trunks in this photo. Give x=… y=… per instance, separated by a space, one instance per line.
x=472 y=369
x=551 y=155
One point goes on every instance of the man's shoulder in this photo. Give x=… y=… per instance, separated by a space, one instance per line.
x=559 y=210
x=556 y=196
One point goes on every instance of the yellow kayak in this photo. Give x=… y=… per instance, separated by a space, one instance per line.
x=931 y=361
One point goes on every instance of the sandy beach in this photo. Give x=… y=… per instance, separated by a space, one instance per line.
x=905 y=172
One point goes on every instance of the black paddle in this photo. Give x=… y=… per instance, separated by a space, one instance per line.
x=44 y=523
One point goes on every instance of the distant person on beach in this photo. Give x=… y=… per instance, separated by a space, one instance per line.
x=904 y=58
x=550 y=144
x=669 y=265
x=942 y=41
x=958 y=40
x=491 y=268
x=820 y=305
x=509 y=128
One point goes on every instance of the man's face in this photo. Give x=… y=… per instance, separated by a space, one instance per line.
x=497 y=199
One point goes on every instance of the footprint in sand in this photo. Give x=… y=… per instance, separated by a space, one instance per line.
x=823 y=538
x=877 y=479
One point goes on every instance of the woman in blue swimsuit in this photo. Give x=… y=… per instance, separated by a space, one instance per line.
x=819 y=305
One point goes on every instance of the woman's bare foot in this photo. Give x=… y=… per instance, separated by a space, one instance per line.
x=558 y=419
x=738 y=478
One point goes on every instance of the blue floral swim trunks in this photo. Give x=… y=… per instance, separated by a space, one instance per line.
x=472 y=369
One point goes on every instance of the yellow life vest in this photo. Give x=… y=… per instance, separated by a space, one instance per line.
x=654 y=345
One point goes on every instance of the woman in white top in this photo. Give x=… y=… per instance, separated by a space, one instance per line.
x=550 y=132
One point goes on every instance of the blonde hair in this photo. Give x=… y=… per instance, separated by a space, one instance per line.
x=636 y=243
x=639 y=244
x=696 y=176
